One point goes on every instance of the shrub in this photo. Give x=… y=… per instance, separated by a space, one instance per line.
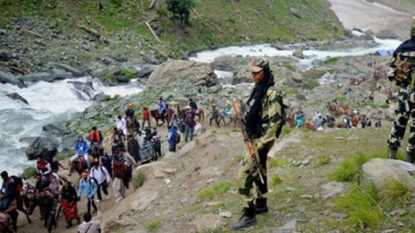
x=139 y=180
x=276 y=179
x=214 y=191
x=285 y=130
x=325 y=160
x=28 y=172
x=154 y=225
x=394 y=192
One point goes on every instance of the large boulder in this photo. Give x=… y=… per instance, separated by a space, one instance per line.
x=74 y=71
x=200 y=74
x=36 y=77
x=381 y=171
x=387 y=34
x=16 y=96
x=99 y=97
x=146 y=70
x=243 y=76
x=9 y=78
x=57 y=130
x=298 y=53
x=86 y=88
x=226 y=63
x=43 y=147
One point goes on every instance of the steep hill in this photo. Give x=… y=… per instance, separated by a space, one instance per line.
x=407 y=6
x=52 y=27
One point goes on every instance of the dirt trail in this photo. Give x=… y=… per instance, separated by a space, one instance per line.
x=371 y=16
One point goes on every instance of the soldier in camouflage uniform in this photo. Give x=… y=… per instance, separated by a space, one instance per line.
x=263 y=123
x=401 y=72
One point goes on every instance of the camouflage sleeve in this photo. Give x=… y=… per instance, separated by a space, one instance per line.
x=274 y=118
x=392 y=69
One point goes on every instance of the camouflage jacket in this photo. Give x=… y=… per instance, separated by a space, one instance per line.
x=402 y=65
x=272 y=116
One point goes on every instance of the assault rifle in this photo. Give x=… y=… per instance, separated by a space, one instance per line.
x=248 y=142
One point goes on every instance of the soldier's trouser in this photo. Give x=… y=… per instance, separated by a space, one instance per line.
x=400 y=122
x=249 y=182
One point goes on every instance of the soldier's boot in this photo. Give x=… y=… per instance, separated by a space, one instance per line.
x=392 y=154
x=410 y=158
x=261 y=206
x=247 y=219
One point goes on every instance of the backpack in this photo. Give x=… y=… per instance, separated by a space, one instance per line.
x=178 y=138
x=119 y=169
x=54 y=165
x=189 y=119
x=19 y=185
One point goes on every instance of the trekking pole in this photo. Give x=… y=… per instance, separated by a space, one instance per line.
x=252 y=151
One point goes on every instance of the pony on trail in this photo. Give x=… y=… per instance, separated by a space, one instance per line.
x=158 y=117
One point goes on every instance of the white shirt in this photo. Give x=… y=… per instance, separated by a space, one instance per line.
x=121 y=125
x=92 y=226
x=140 y=140
x=101 y=174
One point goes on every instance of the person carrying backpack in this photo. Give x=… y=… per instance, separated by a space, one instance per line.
x=81 y=149
x=90 y=187
x=43 y=167
x=102 y=176
x=96 y=137
x=119 y=176
x=130 y=111
x=106 y=161
x=190 y=122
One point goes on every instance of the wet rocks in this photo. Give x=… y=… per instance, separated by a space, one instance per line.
x=9 y=78
x=16 y=96
x=41 y=146
x=298 y=53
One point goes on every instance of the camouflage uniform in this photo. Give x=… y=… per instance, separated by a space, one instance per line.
x=249 y=182
x=400 y=72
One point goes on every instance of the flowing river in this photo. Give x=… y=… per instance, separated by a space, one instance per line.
x=58 y=101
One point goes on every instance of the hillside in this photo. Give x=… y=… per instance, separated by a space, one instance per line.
x=407 y=6
x=52 y=28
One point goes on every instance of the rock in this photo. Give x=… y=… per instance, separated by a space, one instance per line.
x=389 y=231
x=295 y=12
x=170 y=71
x=59 y=74
x=9 y=78
x=146 y=70
x=226 y=63
x=215 y=89
x=43 y=147
x=164 y=172
x=227 y=214
x=298 y=53
x=99 y=97
x=289 y=190
x=68 y=141
x=339 y=138
x=308 y=197
x=207 y=222
x=289 y=226
x=151 y=60
x=27 y=140
x=4 y=55
x=387 y=34
x=57 y=130
x=142 y=200
x=74 y=71
x=400 y=224
x=380 y=171
x=16 y=96
x=83 y=88
x=36 y=77
x=332 y=189
x=242 y=76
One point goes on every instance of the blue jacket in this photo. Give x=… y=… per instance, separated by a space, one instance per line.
x=161 y=105
x=89 y=186
x=81 y=147
x=7 y=189
x=172 y=137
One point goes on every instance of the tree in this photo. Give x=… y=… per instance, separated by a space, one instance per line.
x=180 y=10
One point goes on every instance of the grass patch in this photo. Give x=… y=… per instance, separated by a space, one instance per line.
x=277 y=163
x=329 y=61
x=350 y=169
x=238 y=158
x=139 y=180
x=128 y=74
x=28 y=172
x=395 y=192
x=194 y=209
x=285 y=130
x=341 y=99
x=61 y=157
x=276 y=179
x=154 y=225
x=197 y=141
x=362 y=205
x=325 y=160
x=214 y=191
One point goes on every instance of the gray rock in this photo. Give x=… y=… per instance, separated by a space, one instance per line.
x=242 y=76
x=146 y=70
x=41 y=146
x=172 y=70
x=143 y=200
x=289 y=226
x=16 y=96
x=59 y=74
x=227 y=214
x=332 y=189
x=99 y=97
x=9 y=78
x=27 y=140
x=68 y=141
x=57 y=130
x=74 y=71
x=151 y=60
x=298 y=53
x=387 y=34
x=380 y=171
x=4 y=55
x=86 y=88
x=308 y=197
x=400 y=224
x=91 y=115
x=36 y=77
x=226 y=63
x=295 y=12
x=207 y=222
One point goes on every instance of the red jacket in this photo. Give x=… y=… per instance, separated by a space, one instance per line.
x=146 y=114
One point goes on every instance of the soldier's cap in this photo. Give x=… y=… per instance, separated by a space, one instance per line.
x=258 y=65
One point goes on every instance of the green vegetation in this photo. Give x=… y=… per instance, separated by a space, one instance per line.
x=341 y=99
x=325 y=160
x=214 y=191
x=180 y=10
x=330 y=61
x=350 y=169
x=139 y=180
x=154 y=225
x=277 y=163
x=394 y=193
x=61 y=157
x=362 y=205
x=285 y=130
x=28 y=172
x=276 y=179
x=128 y=74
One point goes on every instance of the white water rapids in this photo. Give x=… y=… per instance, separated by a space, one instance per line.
x=48 y=103
x=52 y=102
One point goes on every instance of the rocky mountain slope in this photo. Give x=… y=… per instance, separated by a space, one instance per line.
x=35 y=33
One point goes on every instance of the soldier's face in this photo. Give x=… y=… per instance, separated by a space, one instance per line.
x=257 y=76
